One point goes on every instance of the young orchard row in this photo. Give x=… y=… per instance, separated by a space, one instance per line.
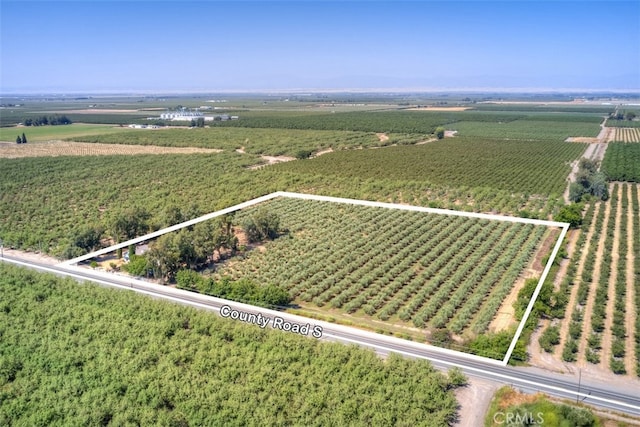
x=627 y=134
x=433 y=270
x=600 y=318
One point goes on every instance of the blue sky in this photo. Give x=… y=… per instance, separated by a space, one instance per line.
x=164 y=46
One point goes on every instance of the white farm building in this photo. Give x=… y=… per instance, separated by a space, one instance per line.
x=185 y=115
x=182 y=115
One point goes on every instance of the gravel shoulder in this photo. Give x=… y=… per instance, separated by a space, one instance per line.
x=474 y=400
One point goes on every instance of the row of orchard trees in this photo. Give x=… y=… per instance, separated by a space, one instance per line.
x=47 y=120
x=141 y=361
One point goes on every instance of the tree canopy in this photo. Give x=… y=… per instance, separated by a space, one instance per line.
x=108 y=357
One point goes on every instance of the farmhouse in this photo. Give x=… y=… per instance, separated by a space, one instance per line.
x=184 y=115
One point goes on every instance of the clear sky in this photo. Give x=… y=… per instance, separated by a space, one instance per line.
x=163 y=46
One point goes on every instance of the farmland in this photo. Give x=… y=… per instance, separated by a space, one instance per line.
x=60 y=148
x=540 y=167
x=627 y=134
x=273 y=142
x=622 y=161
x=602 y=280
x=114 y=357
x=408 y=268
x=504 y=159
x=530 y=130
x=47 y=133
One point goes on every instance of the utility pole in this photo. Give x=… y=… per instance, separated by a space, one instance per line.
x=579 y=381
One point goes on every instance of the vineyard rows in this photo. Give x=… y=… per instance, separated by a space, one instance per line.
x=604 y=280
x=627 y=134
x=429 y=270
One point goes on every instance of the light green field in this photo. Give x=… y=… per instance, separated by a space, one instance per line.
x=48 y=133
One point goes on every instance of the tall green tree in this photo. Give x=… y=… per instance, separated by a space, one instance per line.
x=130 y=223
x=261 y=226
x=24 y=138
x=164 y=257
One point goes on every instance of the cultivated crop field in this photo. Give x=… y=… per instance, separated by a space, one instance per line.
x=48 y=133
x=601 y=326
x=622 y=161
x=109 y=357
x=66 y=148
x=539 y=167
x=274 y=142
x=539 y=128
x=421 y=270
x=627 y=134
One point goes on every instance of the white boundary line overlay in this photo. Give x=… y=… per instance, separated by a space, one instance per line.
x=563 y=225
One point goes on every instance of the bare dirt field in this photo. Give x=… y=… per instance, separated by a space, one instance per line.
x=382 y=137
x=586 y=139
x=67 y=148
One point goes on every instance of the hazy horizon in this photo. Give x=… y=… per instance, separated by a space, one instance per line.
x=360 y=46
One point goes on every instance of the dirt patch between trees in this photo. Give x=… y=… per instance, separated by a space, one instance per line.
x=321 y=152
x=271 y=160
x=564 y=325
x=630 y=309
x=588 y=310
x=611 y=286
x=382 y=137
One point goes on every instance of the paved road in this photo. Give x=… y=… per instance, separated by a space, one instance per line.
x=623 y=399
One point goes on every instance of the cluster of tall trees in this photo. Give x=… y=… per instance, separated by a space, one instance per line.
x=589 y=181
x=621 y=115
x=263 y=225
x=44 y=120
x=21 y=139
x=197 y=123
x=191 y=248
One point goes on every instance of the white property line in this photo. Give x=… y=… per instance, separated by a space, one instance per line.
x=176 y=227
x=536 y=292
